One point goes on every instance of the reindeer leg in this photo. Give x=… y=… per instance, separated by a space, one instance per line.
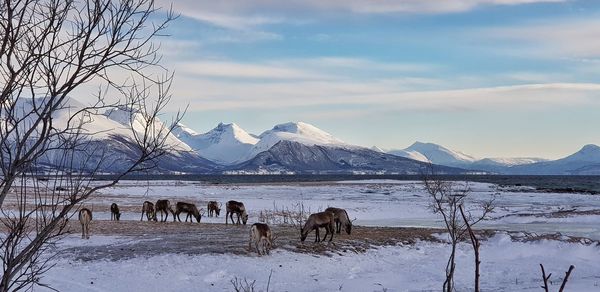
x=332 y=231
x=317 y=237
x=142 y=218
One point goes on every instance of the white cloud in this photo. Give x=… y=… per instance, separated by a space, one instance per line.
x=569 y=38
x=287 y=88
x=243 y=15
x=227 y=69
x=418 y=6
x=318 y=68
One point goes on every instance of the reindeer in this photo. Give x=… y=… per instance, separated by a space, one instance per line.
x=114 y=212
x=85 y=217
x=340 y=216
x=213 y=207
x=261 y=236
x=188 y=208
x=164 y=206
x=238 y=208
x=148 y=208
x=314 y=222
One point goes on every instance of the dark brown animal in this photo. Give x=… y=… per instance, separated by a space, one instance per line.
x=188 y=208
x=85 y=217
x=340 y=216
x=314 y=222
x=261 y=236
x=114 y=212
x=164 y=206
x=234 y=207
x=213 y=207
x=148 y=209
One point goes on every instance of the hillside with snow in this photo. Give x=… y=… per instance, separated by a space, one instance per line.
x=108 y=142
x=434 y=153
x=293 y=147
x=225 y=144
x=300 y=132
x=294 y=157
x=586 y=161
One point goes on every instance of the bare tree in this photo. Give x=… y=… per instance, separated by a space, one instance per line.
x=48 y=152
x=448 y=200
x=564 y=282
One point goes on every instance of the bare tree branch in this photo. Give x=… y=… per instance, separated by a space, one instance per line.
x=48 y=49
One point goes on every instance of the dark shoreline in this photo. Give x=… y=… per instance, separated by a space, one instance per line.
x=550 y=183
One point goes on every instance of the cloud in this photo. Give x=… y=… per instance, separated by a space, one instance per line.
x=568 y=38
x=418 y=6
x=227 y=69
x=243 y=15
x=287 y=88
x=317 y=68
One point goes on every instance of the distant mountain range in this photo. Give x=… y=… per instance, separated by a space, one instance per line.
x=298 y=147
x=584 y=162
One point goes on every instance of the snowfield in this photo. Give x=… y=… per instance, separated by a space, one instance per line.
x=507 y=264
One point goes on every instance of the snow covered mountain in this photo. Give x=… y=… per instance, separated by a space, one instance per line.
x=411 y=154
x=288 y=156
x=434 y=153
x=294 y=147
x=225 y=144
x=300 y=132
x=437 y=154
x=110 y=142
x=583 y=162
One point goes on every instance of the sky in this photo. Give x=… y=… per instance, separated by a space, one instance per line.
x=491 y=78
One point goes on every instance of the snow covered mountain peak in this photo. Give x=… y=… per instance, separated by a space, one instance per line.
x=589 y=152
x=226 y=143
x=181 y=129
x=230 y=133
x=300 y=132
x=440 y=155
x=590 y=148
x=302 y=129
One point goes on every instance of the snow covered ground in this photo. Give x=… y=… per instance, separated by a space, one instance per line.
x=508 y=265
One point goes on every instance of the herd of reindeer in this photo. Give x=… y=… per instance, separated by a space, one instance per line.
x=332 y=219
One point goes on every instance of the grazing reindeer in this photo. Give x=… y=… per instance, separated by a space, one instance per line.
x=213 y=207
x=340 y=216
x=114 y=212
x=261 y=236
x=85 y=217
x=164 y=206
x=188 y=208
x=314 y=222
x=238 y=208
x=148 y=208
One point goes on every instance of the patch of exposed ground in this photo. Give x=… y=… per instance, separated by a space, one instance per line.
x=154 y=238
